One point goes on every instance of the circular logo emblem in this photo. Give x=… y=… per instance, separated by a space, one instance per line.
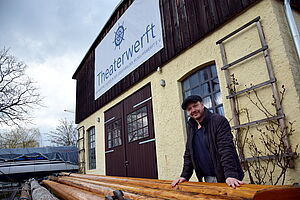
x=119 y=35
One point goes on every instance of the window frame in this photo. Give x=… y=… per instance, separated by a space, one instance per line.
x=133 y=125
x=110 y=133
x=92 y=148
x=211 y=94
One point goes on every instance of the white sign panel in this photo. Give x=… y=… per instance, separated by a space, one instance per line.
x=134 y=38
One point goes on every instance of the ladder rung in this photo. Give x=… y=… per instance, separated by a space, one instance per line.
x=245 y=57
x=285 y=155
x=250 y=88
x=258 y=121
x=238 y=30
x=81 y=150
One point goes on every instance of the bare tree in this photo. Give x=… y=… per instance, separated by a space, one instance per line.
x=270 y=158
x=65 y=134
x=18 y=94
x=20 y=137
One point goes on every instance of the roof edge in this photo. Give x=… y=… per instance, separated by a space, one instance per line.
x=95 y=41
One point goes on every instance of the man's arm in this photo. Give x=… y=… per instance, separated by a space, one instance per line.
x=227 y=151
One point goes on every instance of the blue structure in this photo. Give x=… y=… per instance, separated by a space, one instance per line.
x=20 y=164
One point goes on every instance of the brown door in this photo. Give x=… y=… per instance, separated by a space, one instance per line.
x=114 y=141
x=133 y=119
x=139 y=135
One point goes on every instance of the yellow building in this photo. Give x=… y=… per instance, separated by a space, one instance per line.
x=136 y=126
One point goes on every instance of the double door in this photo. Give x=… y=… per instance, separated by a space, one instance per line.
x=129 y=137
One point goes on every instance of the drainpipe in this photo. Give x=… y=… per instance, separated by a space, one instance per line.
x=292 y=25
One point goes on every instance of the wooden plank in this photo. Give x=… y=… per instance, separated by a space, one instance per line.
x=228 y=82
x=152 y=64
x=201 y=17
x=103 y=190
x=223 y=10
x=137 y=75
x=235 y=6
x=148 y=191
x=162 y=188
x=295 y=4
x=209 y=16
x=275 y=92
x=184 y=26
x=192 y=20
x=232 y=101
x=114 y=91
x=269 y=157
x=251 y=88
x=142 y=69
x=168 y=29
x=278 y=194
x=258 y=121
x=68 y=192
x=164 y=52
x=126 y=82
x=176 y=27
x=131 y=180
x=157 y=59
x=245 y=57
x=245 y=3
x=106 y=96
x=146 y=67
x=213 y=11
x=238 y=30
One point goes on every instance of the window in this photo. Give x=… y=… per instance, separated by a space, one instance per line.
x=114 y=134
x=205 y=83
x=137 y=124
x=91 y=149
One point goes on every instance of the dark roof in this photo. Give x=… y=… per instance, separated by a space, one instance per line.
x=294 y=3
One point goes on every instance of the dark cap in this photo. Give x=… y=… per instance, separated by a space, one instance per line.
x=190 y=99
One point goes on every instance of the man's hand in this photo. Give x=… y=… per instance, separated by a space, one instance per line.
x=176 y=181
x=233 y=182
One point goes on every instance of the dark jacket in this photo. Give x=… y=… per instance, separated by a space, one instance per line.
x=221 y=147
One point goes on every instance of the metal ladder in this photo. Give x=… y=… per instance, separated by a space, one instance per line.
x=271 y=82
x=81 y=149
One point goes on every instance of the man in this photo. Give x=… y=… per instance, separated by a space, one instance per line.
x=209 y=148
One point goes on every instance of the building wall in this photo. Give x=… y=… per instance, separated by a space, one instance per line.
x=182 y=27
x=169 y=118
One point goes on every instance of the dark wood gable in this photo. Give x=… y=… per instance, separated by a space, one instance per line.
x=184 y=23
x=295 y=4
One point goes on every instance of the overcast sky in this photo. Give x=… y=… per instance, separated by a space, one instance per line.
x=52 y=37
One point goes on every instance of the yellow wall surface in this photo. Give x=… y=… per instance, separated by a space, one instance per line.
x=169 y=123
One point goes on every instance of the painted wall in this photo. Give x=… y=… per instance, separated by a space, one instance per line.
x=168 y=116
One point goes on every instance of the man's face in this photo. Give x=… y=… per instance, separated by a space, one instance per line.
x=195 y=110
